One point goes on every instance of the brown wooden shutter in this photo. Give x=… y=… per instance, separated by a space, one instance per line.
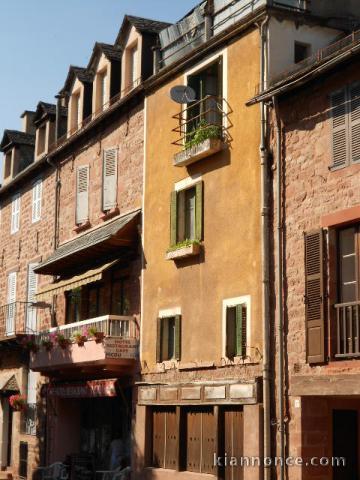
x=199 y=211
x=355 y=122
x=159 y=419
x=230 y=332
x=173 y=219
x=314 y=297
x=109 y=179
x=208 y=441
x=158 y=340
x=177 y=337
x=82 y=194
x=339 y=118
x=172 y=440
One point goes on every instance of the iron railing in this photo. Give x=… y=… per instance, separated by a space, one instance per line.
x=29 y=419
x=109 y=325
x=205 y=118
x=347 y=329
x=22 y=318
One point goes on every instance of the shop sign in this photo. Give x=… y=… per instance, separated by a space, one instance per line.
x=90 y=389
x=118 y=348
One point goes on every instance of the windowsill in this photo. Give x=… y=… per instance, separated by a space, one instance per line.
x=166 y=365
x=107 y=215
x=81 y=227
x=167 y=471
x=183 y=252
x=206 y=148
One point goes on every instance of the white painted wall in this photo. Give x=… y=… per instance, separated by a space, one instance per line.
x=282 y=37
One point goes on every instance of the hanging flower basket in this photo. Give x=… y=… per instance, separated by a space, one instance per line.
x=17 y=402
x=29 y=343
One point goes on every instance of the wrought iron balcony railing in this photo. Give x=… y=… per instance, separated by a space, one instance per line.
x=200 y=120
x=22 y=318
x=347 y=330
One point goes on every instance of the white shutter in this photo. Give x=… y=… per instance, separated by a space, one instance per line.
x=103 y=90
x=11 y=306
x=82 y=194
x=15 y=213
x=36 y=201
x=109 y=179
x=32 y=380
x=31 y=313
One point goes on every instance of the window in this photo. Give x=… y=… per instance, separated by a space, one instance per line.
x=7 y=164
x=36 y=201
x=301 y=51
x=187 y=214
x=29 y=415
x=23 y=459
x=207 y=85
x=73 y=306
x=95 y=299
x=82 y=194
x=132 y=60
x=168 y=339
x=103 y=87
x=11 y=305
x=41 y=133
x=15 y=213
x=76 y=114
x=345 y=120
x=109 y=179
x=236 y=326
x=348 y=261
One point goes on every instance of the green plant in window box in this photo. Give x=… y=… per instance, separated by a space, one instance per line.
x=96 y=334
x=202 y=132
x=62 y=341
x=79 y=338
x=183 y=244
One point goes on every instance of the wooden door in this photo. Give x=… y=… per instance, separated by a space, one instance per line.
x=345 y=444
x=234 y=441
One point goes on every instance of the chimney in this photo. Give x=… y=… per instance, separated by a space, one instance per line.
x=28 y=122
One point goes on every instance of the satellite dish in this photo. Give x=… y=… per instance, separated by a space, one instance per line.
x=183 y=94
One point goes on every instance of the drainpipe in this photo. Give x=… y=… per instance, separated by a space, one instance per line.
x=208 y=17
x=265 y=247
x=279 y=293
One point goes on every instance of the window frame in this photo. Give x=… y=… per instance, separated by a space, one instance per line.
x=232 y=303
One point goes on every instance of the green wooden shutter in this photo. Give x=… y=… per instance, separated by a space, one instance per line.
x=230 y=333
x=158 y=340
x=355 y=122
x=199 y=211
x=239 y=330
x=314 y=297
x=177 y=337
x=339 y=118
x=173 y=219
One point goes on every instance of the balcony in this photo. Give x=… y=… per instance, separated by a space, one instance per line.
x=113 y=348
x=201 y=130
x=347 y=330
x=22 y=318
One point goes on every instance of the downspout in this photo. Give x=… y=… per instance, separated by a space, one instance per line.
x=279 y=293
x=265 y=247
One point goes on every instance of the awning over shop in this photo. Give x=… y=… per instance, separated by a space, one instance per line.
x=10 y=385
x=62 y=286
x=89 y=389
x=112 y=239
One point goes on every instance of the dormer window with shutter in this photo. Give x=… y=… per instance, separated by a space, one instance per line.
x=345 y=125
x=82 y=195
x=110 y=169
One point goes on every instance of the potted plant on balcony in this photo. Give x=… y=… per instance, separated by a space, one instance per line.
x=96 y=335
x=17 y=402
x=48 y=343
x=203 y=131
x=29 y=343
x=79 y=338
x=62 y=341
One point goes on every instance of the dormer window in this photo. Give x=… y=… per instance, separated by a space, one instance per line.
x=131 y=67
x=41 y=140
x=7 y=164
x=101 y=91
x=76 y=117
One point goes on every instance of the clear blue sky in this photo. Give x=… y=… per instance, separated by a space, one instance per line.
x=39 y=39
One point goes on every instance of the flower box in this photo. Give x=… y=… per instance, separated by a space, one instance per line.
x=183 y=252
x=190 y=155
